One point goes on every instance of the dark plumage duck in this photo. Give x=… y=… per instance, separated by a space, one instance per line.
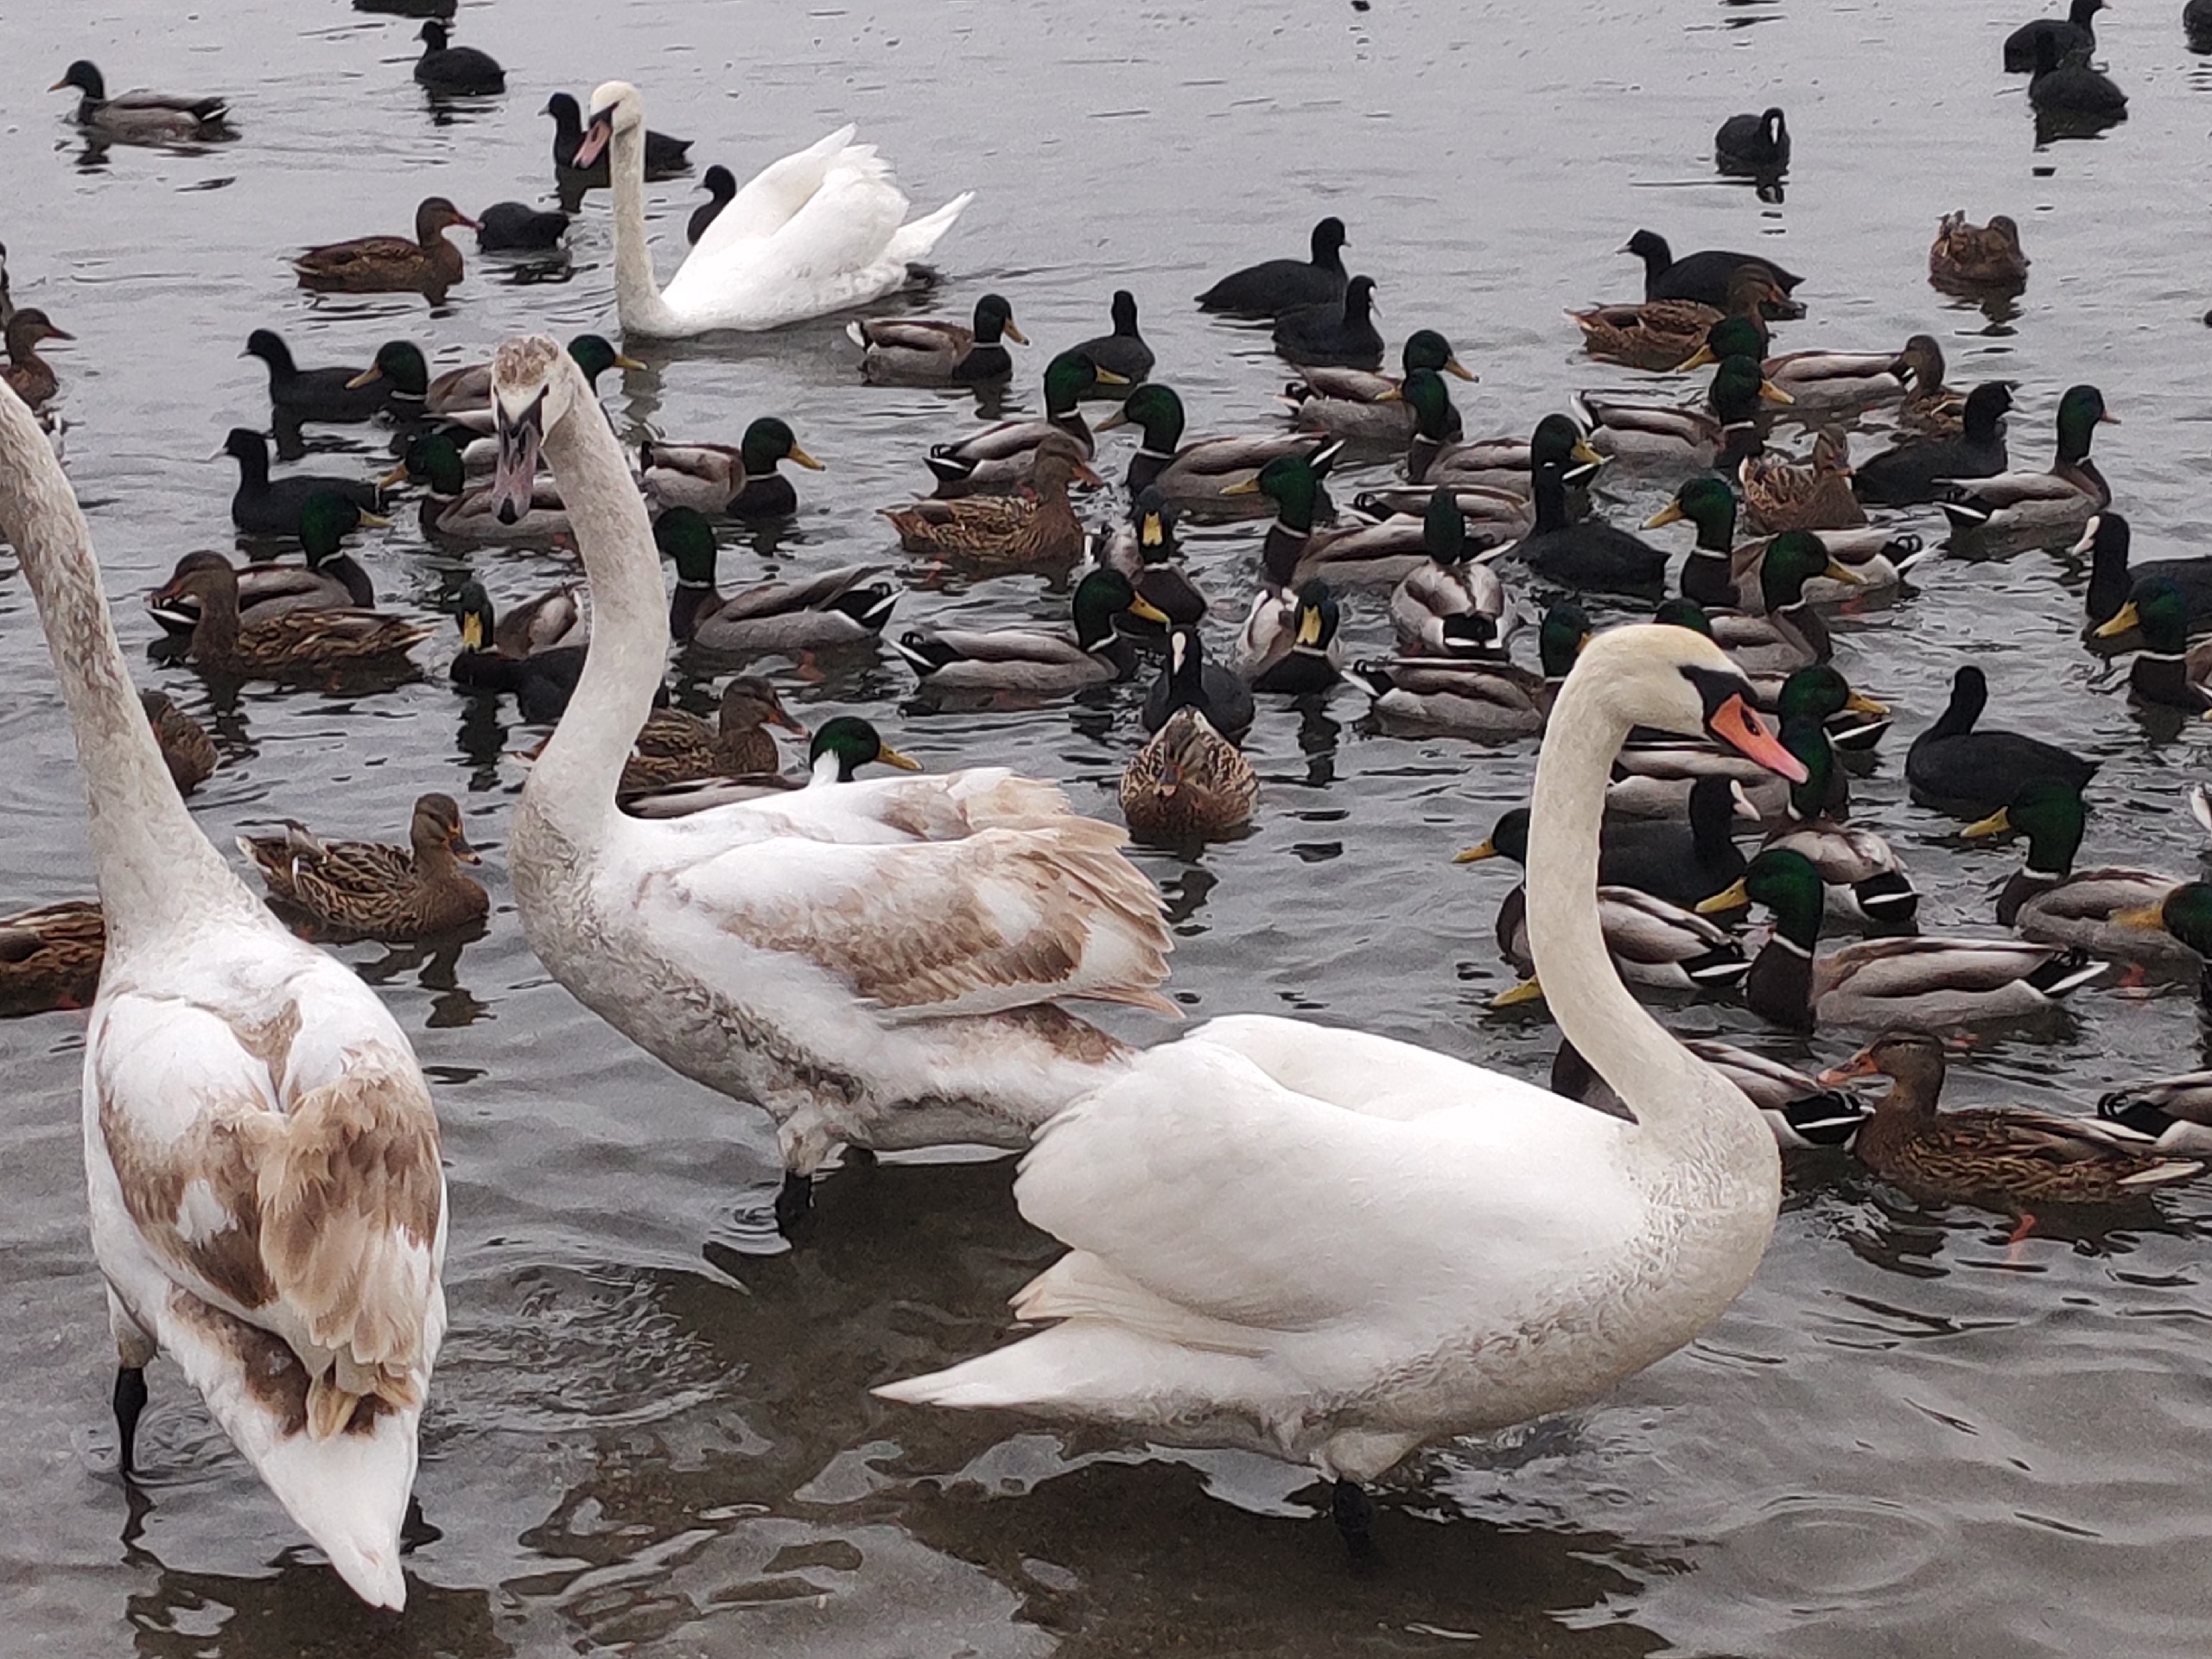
x=517 y=227
x=664 y=155
x=1334 y=334
x=2166 y=670
x=265 y=507
x=187 y=749
x=541 y=681
x=2106 y=540
x=140 y=116
x=2076 y=31
x=1917 y=472
x=1274 y=286
x=1703 y=277
x=2039 y=505
x=1970 y=773
x=1123 y=351
x=1753 y=143
x=328 y=394
x=721 y=186
x=1187 y=680
x=1971 y=257
x=26 y=374
x=392 y=265
x=1589 y=553
x=2065 y=84
x=1145 y=550
x=460 y=71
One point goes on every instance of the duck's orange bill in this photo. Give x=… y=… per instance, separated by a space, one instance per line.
x=1738 y=725
x=1858 y=1065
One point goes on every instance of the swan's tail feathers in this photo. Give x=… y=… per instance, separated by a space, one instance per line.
x=912 y=243
x=1085 y=1370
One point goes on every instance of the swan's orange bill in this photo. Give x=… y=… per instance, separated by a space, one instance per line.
x=1738 y=725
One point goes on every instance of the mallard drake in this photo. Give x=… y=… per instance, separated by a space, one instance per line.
x=187 y=749
x=392 y=265
x=1975 y=258
x=1683 y=864
x=497 y=655
x=1655 y=778
x=1361 y=553
x=140 y=116
x=1000 y=458
x=1203 y=472
x=2065 y=84
x=1476 y=699
x=1703 y=277
x=715 y=477
x=837 y=608
x=1801 y=1113
x=721 y=186
x=1496 y=516
x=1708 y=575
x=262 y=506
x=50 y=958
x=2037 y=505
x=2107 y=539
x=1922 y=469
x=664 y=156
x=1123 y=350
x=1035 y=530
x=1274 y=286
x=2077 y=29
x=1452 y=606
x=26 y=374
x=1187 y=680
x=1188 y=783
x=1308 y=656
x=465 y=393
x=518 y=227
x=1355 y=404
x=2185 y=916
x=1998 y=1157
x=1145 y=550
x=1097 y=651
x=455 y=71
x=330 y=579
x=1589 y=553
x=1780 y=495
x=930 y=352
x=2168 y=669
x=548 y=622
x=286 y=645
x=455 y=511
x=1339 y=333
x=1723 y=573
x=2048 y=901
x=1931 y=984
x=677 y=747
x=1820 y=380
x=839 y=750
x=1967 y=774
x=1753 y=143
x=1720 y=434
x=372 y=891
x=337 y=394
x=1860 y=872
x=1669 y=333
x=1791 y=634
x=1434 y=461
x=2173 y=1113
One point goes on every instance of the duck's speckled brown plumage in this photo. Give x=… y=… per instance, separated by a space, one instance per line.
x=50 y=958
x=185 y=743
x=289 y=644
x=1188 y=784
x=388 y=264
x=375 y=891
x=1019 y=531
x=675 y=747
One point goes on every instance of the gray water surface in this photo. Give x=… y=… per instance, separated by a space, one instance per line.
x=650 y=1432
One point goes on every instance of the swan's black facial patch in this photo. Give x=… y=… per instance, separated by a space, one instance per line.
x=1715 y=686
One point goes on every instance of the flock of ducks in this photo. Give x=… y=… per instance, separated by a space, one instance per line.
x=1306 y=1241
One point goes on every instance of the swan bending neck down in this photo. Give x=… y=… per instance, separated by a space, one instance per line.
x=814 y=232
x=1333 y=1247
x=261 y=1152
x=875 y=962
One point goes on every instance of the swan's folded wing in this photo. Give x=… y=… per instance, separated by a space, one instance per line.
x=772 y=195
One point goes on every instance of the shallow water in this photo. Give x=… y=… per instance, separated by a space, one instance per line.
x=650 y=1433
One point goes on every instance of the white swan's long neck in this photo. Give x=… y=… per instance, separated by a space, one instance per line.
x=571 y=788
x=637 y=296
x=156 y=872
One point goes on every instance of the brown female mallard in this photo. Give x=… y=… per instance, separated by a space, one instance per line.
x=185 y=743
x=1976 y=257
x=1781 y=494
x=392 y=265
x=287 y=644
x=1999 y=1157
x=675 y=747
x=29 y=375
x=1011 y=531
x=1666 y=333
x=373 y=891
x=50 y=958
x=1188 y=783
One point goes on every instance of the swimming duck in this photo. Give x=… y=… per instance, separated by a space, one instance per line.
x=2185 y=916
x=331 y=578
x=1433 y=459
x=1779 y=494
x=1187 y=680
x=1334 y=333
x=1307 y=655
x=1967 y=774
x=1359 y=553
x=721 y=186
x=2107 y=538
x=1921 y=469
x=518 y=227
x=1708 y=575
x=1801 y=1113
x=1494 y=517
x=1145 y=550
x=1589 y=553
x=2175 y=1114
x=372 y=891
x=1720 y=433
x=50 y=958
x=2065 y=84
x=26 y=374
x=1683 y=863
x=262 y=506
x=1453 y=606
x=2168 y=669
x=1655 y=778
x=839 y=750
x=2058 y=502
x=999 y=458
x=2077 y=29
x=187 y=749
x=326 y=394
x=1274 y=286
x=1096 y=652
x=455 y=511
x=496 y=656
x=1472 y=698
x=1203 y=471
x=1017 y=532
x=713 y=477
x=931 y=351
x=1668 y=334
x=1861 y=875
x=1819 y=380
x=1753 y=143
x=837 y=608
x=677 y=747
x=2048 y=901
x=392 y=265
x=1791 y=634
x=664 y=156
x=1123 y=351
x=1702 y=276
x=456 y=71
x=1978 y=256
x=1188 y=783
x=139 y=115
x=1355 y=404
x=461 y=393
x=286 y=645
x=551 y=622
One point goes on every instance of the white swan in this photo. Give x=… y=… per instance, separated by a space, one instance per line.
x=814 y=232
x=262 y=1154
x=1333 y=1247
x=873 y=963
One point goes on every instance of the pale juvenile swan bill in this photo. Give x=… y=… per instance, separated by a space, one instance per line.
x=879 y=963
x=1332 y=1249
x=814 y=232
x=260 y=1148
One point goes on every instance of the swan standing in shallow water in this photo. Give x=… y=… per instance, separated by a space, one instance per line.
x=875 y=963
x=1333 y=1247
x=814 y=232
x=260 y=1148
